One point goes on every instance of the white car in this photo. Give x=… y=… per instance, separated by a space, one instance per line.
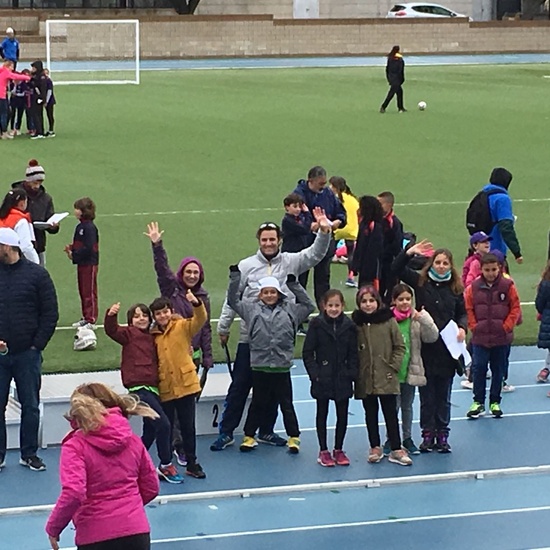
x=421 y=9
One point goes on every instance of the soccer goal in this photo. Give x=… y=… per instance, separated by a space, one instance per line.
x=81 y=51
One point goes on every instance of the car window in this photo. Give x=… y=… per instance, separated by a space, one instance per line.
x=397 y=7
x=421 y=9
x=438 y=10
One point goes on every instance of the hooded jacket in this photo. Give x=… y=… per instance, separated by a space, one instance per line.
x=107 y=477
x=542 y=303
x=330 y=357
x=395 y=70
x=21 y=223
x=5 y=76
x=40 y=207
x=171 y=286
x=381 y=351
x=256 y=267
x=39 y=84
x=272 y=329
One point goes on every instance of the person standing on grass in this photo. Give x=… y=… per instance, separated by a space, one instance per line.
x=268 y=261
x=50 y=105
x=341 y=189
x=439 y=291
x=316 y=194
x=40 y=205
x=84 y=253
x=13 y=214
x=107 y=475
x=331 y=360
x=189 y=276
x=28 y=317
x=39 y=95
x=6 y=75
x=395 y=75
x=9 y=48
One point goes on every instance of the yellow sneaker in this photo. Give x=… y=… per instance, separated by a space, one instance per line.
x=293 y=445
x=248 y=444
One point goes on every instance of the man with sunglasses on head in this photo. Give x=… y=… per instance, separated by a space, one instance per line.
x=268 y=261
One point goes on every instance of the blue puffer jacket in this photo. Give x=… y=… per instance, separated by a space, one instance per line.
x=542 y=303
x=28 y=306
x=326 y=200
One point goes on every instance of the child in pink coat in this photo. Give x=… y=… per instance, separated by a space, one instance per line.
x=107 y=476
x=480 y=243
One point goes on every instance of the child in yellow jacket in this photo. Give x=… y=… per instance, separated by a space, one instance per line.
x=178 y=379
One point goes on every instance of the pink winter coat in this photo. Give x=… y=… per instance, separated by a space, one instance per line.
x=5 y=76
x=107 y=476
x=471 y=269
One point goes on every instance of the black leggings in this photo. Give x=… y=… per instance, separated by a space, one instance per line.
x=341 y=423
x=133 y=542
x=388 y=404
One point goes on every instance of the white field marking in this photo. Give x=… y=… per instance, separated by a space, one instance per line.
x=322 y=527
x=238 y=319
x=319 y=486
x=230 y=211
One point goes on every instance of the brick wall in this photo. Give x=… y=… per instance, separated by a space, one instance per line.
x=262 y=35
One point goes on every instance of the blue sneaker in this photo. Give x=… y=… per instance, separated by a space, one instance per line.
x=169 y=474
x=387 y=448
x=272 y=439
x=223 y=441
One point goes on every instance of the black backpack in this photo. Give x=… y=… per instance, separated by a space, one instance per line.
x=478 y=214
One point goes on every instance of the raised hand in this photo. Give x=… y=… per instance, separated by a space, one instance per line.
x=114 y=309
x=422 y=248
x=153 y=232
x=191 y=298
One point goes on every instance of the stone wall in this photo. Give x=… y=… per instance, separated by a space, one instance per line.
x=177 y=37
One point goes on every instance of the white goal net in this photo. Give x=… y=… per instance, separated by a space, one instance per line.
x=93 y=51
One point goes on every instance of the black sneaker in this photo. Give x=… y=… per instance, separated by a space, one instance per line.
x=195 y=470
x=34 y=463
x=272 y=439
x=2 y=461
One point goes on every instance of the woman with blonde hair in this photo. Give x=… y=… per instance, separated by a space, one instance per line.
x=107 y=475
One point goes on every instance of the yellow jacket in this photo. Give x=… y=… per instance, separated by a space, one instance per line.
x=177 y=372
x=351 y=206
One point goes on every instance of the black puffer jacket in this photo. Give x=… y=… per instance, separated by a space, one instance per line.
x=542 y=303
x=442 y=304
x=28 y=306
x=331 y=357
x=41 y=209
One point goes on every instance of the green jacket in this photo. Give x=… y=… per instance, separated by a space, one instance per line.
x=381 y=351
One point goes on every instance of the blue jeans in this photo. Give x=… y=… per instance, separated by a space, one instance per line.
x=4 y=115
x=25 y=368
x=497 y=357
x=237 y=394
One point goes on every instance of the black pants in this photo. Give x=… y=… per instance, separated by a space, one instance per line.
x=133 y=542
x=341 y=423
x=388 y=404
x=158 y=429
x=387 y=282
x=51 y=119
x=184 y=407
x=269 y=388
x=321 y=274
x=37 y=113
x=435 y=405
x=395 y=89
x=350 y=249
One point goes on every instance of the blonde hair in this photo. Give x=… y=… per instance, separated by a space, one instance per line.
x=89 y=404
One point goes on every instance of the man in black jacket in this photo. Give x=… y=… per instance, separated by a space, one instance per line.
x=28 y=317
x=39 y=91
x=40 y=205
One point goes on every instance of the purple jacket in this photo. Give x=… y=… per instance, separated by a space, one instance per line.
x=107 y=477
x=172 y=286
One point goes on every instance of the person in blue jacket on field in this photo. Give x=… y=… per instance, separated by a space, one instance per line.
x=9 y=48
x=316 y=194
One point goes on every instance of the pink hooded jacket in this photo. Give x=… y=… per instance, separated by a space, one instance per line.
x=5 y=76
x=107 y=476
x=471 y=269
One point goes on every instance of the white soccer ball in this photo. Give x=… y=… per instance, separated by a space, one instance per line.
x=422 y=105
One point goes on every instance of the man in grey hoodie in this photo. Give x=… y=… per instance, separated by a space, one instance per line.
x=268 y=261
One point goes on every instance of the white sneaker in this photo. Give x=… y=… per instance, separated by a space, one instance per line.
x=79 y=324
x=508 y=388
x=467 y=385
x=400 y=457
x=5 y=135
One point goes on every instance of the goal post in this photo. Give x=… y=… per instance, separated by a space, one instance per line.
x=93 y=51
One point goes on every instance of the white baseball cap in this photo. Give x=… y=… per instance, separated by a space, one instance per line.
x=9 y=30
x=8 y=237
x=270 y=282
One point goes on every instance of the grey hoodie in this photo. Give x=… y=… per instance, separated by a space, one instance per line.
x=271 y=329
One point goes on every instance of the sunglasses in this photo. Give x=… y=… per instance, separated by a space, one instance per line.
x=268 y=225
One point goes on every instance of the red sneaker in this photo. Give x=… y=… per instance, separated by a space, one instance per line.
x=325 y=459
x=542 y=376
x=340 y=457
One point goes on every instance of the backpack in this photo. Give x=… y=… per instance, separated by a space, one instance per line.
x=478 y=214
x=85 y=339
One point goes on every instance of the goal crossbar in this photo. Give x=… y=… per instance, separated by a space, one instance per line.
x=68 y=21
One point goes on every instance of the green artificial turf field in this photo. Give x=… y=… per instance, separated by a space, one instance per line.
x=211 y=154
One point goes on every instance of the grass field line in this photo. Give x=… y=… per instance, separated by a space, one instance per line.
x=238 y=318
x=273 y=209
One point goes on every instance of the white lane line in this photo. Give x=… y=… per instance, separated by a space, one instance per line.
x=237 y=210
x=238 y=319
x=349 y=525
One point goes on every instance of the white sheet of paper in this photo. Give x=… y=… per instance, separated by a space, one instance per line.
x=456 y=349
x=56 y=218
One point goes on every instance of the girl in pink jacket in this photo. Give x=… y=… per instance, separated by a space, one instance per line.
x=107 y=475
x=480 y=243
